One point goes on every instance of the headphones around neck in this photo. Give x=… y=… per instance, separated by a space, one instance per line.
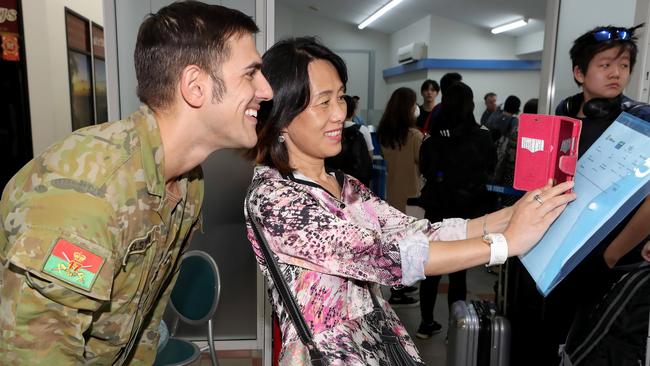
x=596 y=108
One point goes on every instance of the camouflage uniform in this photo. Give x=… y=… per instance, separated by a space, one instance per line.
x=89 y=242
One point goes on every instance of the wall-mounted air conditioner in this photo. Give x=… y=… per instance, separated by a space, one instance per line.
x=411 y=52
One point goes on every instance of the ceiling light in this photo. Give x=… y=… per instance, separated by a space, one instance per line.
x=379 y=13
x=509 y=26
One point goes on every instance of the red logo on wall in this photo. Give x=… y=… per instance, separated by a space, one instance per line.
x=10 y=47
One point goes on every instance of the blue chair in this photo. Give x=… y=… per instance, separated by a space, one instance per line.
x=194 y=300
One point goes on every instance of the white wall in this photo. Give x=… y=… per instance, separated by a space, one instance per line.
x=449 y=39
x=530 y=43
x=339 y=36
x=419 y=31
x=47 y=65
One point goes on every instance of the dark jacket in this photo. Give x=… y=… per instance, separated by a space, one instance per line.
x=456 y=168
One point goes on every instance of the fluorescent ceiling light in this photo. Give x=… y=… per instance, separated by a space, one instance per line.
x=509 y=26
x=384 y=9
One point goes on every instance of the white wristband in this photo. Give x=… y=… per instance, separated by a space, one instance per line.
x=498 y=248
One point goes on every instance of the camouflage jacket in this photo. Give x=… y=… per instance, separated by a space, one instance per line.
x=89 y=244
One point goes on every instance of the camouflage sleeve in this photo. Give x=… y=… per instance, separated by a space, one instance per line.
x=50 y=291
x=42 y=322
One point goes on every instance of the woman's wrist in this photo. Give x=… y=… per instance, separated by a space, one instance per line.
x=497 y=222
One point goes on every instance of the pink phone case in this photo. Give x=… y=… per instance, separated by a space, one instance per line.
x=547 y=147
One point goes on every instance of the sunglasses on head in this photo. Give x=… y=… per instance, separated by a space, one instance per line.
x=610 y=34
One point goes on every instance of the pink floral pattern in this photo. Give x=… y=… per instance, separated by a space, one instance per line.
x=328 y=249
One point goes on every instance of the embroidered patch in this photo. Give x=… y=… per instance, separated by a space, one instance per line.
x=73 y=265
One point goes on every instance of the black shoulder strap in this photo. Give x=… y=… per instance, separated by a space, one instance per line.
x=286 y=297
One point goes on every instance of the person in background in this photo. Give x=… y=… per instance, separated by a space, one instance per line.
x=429 y=91
x=530 y=106
x=490 y=100
x=335 y=241
x=356 y=118
x=92 y=229
x=503 y=125
x=502 y=122
x=445 y=81
x=400 y=145
x=356 y=153
x=456 y=164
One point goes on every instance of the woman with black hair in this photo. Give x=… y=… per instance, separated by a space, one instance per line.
x=456 y=162
x=333 y=239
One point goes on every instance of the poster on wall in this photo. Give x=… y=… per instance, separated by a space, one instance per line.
x=9 y=30
x=80 y=90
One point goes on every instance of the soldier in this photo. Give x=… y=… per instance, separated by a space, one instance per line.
x=91 y=230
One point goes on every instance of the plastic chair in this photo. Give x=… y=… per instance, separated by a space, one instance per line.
x=194 y=299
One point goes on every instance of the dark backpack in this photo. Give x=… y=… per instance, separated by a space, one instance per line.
x=354 y=158
x=615 y=332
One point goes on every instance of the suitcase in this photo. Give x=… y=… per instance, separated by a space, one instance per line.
x=477 y=336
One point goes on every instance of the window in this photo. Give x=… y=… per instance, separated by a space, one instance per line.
x=87 y=71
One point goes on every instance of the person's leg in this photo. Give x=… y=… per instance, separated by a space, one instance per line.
x=457 y=287
x=399 y=298
x=428 y=296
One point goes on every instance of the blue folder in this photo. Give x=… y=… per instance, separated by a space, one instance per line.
x=611 y=179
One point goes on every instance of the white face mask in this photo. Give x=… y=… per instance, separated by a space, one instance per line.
x=416 y=112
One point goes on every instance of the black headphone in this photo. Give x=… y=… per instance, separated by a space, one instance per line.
x=596 y=108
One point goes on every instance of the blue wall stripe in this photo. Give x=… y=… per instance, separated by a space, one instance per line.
x=463 y=64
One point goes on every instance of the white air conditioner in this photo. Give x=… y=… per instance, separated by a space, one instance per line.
x=411 y=52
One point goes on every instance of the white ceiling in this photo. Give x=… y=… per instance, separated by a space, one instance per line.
x=480 y=13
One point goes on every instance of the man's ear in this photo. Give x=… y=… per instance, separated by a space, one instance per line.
x=578 y=75
x=194 y=87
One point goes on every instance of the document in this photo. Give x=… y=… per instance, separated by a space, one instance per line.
x=611 y=179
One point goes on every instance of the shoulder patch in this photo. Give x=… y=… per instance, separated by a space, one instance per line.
x=72 y=264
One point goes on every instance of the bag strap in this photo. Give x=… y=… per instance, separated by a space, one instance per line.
x=394 y=349
x=286 y=297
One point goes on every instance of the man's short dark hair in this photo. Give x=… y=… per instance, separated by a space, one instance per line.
x=512 y=104
x=447 y=79
x=286 y=66
x=181 y=34
x=430 y=84
x=587 y=46
x=488 y=95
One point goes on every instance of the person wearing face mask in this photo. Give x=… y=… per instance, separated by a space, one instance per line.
x=400 y=145
x=456 y=162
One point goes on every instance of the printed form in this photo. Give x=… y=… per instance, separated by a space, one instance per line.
x=611 y=179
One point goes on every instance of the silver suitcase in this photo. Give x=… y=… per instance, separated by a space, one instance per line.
x=477 y=336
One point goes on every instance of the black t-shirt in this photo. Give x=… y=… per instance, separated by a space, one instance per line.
x=422 y=118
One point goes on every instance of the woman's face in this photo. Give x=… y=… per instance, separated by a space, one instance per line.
x=315 y=133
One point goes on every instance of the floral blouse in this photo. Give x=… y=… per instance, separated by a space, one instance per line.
x=328 y=249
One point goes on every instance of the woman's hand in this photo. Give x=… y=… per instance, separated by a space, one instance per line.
x=533 y=214
x=645 y=252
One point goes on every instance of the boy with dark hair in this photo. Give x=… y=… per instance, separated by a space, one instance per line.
x=445 y=82
x=92 y=230
x=429 y=91
x=602 y=60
